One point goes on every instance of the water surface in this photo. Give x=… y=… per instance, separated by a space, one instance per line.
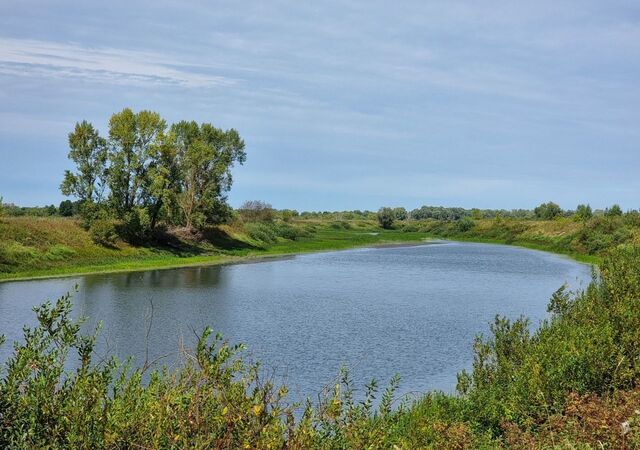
x=380 y=311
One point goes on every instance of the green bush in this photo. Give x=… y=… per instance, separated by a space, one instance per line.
x=136 y=227
x=386 y=217
x=465 y=224
x=262 y=232
x=589 y=345
x=103 y=232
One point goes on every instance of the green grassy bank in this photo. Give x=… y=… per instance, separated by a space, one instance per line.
x=34 y=247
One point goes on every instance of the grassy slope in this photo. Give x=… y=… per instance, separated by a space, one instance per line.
x=44 y=247
x=584 y=242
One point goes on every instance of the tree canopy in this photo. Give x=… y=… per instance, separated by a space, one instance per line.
x=147 y=172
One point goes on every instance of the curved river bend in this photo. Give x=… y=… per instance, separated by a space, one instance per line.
x=407 y=310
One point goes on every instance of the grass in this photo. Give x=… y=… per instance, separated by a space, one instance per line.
x=56 y=247
x=40 y=247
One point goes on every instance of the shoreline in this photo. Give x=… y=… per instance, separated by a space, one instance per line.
x=222 y=260
x=205 y=261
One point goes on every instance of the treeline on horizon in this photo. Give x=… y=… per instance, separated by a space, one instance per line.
x=545 y=211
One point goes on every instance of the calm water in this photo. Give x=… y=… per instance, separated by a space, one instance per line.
x=407 y=310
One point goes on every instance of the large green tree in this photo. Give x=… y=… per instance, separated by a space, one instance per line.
x=89 y=153
x=205 y=156
x=547 y=211
x=133 y=142
x=152 y=173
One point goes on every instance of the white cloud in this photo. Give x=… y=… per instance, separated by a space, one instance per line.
x=20 y=57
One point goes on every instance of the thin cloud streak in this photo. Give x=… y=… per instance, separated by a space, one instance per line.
x=118 y=66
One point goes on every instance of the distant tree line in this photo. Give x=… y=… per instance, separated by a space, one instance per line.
x=386 y=216
x=146 y=173
x=67 y=208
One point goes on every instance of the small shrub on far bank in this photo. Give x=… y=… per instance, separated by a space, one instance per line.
x=103 y=232
x=268 y=233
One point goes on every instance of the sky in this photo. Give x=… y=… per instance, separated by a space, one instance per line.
x=342 y=104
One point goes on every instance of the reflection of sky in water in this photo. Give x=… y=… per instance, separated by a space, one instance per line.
x=407 y=310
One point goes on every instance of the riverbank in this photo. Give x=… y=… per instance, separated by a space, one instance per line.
x=80 y=256
x=33 y=248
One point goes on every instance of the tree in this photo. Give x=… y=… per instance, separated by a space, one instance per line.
x=583 y=212
x=133 y=139
x=256 y=211
x=152 y=173
x=547 y=211
x=400 y=213
x=89 y=152
x=613 y=211
x=205 y=155
x=66 y=208
x=1 y=207
x=386 y=217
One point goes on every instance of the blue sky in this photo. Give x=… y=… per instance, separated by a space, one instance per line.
x=343 y=105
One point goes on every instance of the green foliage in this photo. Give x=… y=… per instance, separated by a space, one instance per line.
x=14 y=253
x=386 y=217
x=1 y=207
x=613 y=211
x=89 y=153
x=267 y=233
x=288 y=214
x=205 y=155
x=547 y=211
x=588 y=346
x=66 y=208
x=262 y=232
x=400 y=213
x=583 y=212
x=214 y=401
x=602 y=233
x=103 y=232
x=465 y=224
x=136 y=226
x=256 y=211
x=151 y=173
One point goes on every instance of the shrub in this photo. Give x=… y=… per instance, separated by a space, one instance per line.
x=589 y=345
x=386 y=217
x=613 y=211
x=262 y=232
x=136 y=227
x=214 y=401
x=547 y=211
x=66 y=208
x=256 y=211
x=465 y=224
x=103 y=232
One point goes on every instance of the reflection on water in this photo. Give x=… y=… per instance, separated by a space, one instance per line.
x=407 y=310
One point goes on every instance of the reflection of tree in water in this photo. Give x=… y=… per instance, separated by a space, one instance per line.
x=184 y=301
